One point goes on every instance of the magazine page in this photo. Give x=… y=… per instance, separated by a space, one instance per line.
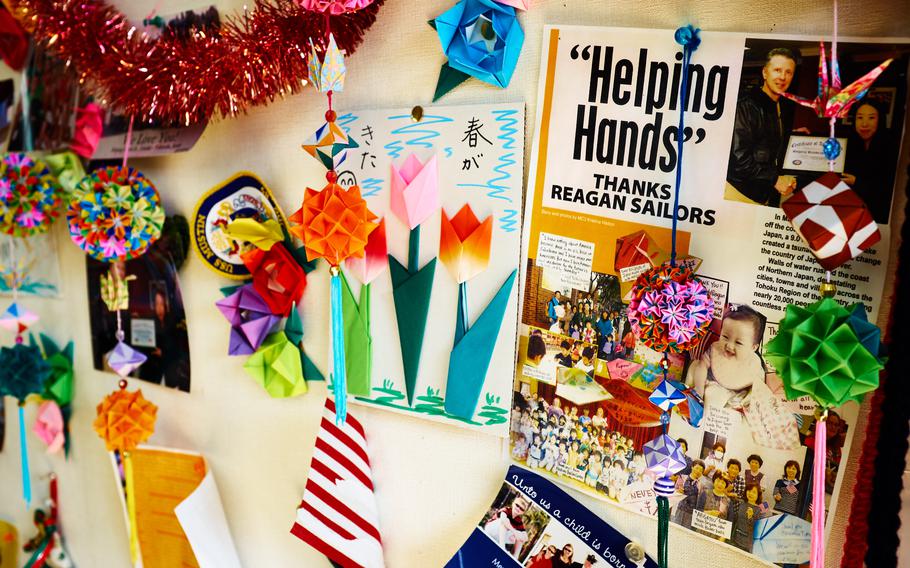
x=599 y=212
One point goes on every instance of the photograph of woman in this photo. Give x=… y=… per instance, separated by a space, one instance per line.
x=870 y=156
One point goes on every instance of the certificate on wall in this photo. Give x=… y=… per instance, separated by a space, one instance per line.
x=804 y=153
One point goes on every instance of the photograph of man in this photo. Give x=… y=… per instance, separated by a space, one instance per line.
x=760 y=133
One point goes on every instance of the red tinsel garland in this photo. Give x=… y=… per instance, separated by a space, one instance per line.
x=252 y=59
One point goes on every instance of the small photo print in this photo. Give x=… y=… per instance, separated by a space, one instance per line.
x=514 y=523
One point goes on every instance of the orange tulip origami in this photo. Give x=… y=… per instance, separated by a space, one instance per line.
x=414 y=191
x=464 y=247
x=464 y=244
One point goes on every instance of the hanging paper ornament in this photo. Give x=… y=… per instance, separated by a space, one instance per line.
x=115 y=213
x=22 y=373
x=664 y=456
x=17 y=319
x=49 y=426
x=123 y=359
x=124 y=420
x=329 y=144
x=670 y=309
x=30 y=197
x=335 y=224
x=327 y=73
x=826 y=351
x=832 y=220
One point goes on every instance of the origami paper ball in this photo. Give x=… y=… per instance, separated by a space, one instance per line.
x=330 y=145
x=670 y=310
x=125 y=419
x=123 y=359
x=832 y=220
x=276 y=365
x=664 y=456
x=414 y=190
x=334 y=223
x=375 y=256
x=115 y=213
x=481 y=38
x=250 y=317
x=334 y=7
x=277 y=277
x=826 y=351
x=23 y=371
x=30 y=196
x=464 y=243
x=666 y=396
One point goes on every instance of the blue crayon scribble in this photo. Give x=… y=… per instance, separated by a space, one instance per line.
x=509 y=221
x=345 y=120
x=371 y=187
x=507 y=132
x=448 y=151
x=421 y=135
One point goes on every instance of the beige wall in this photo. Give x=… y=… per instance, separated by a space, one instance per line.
x=433 y=482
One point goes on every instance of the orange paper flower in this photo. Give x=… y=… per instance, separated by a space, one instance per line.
x=464 y=243
x=334 y=223
x=125 y=420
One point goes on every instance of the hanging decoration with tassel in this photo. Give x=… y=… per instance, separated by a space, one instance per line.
x=334 y=223
x=825 y=350
x=670 y=311
x=124 y=420
x=30 y=199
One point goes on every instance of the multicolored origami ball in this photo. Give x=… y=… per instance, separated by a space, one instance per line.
x=30 y=196
x=670 y=309
x=115 y=213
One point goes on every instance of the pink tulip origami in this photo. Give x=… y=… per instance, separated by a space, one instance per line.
x=358 y=342
x=414 y=197
x=415 y=190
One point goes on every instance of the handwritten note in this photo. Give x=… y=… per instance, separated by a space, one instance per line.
x=711 y=524
x=567 y=260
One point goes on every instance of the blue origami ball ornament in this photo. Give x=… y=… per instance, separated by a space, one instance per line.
x=23 y=371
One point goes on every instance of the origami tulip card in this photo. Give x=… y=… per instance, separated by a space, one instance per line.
x=430 y=308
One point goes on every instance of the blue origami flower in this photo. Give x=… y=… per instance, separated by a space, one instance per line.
x=482 y=39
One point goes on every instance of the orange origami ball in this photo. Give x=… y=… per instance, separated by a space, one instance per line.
x=125 y=420
x=334 y=223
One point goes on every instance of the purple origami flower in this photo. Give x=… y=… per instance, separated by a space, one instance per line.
x=673 y=313
x=250 y=318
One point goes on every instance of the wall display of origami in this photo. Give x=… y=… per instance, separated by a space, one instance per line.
x=596 y=221
x=179 y=519
x=338 y=515
x=152 y=315
x=448 y=190
x=532 y=522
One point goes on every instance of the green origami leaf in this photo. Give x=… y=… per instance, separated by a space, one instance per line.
x=449 y=78
x=276 y=365
x=411 y=293
x=826 y=351
x=293 y=327
x=358 y=345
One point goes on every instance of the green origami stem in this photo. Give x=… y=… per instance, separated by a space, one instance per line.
x=414 y=250
x=463 y=304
